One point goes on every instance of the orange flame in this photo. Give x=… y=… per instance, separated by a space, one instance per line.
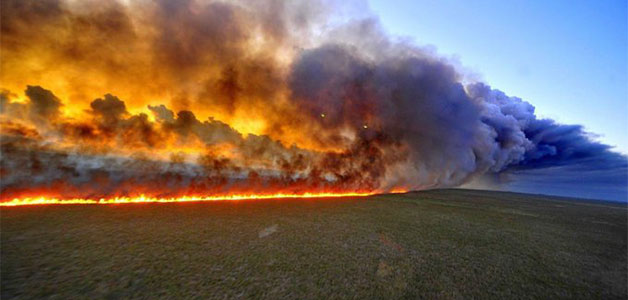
x=145 y=199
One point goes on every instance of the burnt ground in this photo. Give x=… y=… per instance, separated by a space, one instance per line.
x=433 y=244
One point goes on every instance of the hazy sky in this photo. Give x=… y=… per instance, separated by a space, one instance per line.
x=567 y=58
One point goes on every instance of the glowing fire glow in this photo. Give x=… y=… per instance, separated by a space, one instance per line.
x=145 y=199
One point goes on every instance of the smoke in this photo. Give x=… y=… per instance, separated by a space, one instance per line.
x=175 y=98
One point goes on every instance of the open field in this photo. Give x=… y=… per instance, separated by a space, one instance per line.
x=435 y=244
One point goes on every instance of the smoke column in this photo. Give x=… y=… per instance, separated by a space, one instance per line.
x=173 y=98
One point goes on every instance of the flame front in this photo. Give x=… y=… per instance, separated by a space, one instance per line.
x=144 y=199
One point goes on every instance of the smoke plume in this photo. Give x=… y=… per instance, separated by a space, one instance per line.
x=183 y=97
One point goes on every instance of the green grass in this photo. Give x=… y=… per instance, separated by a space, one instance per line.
x=435 y=244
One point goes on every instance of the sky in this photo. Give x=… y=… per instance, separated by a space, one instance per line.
x=567 y=58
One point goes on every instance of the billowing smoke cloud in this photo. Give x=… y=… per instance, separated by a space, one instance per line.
x=175 y=98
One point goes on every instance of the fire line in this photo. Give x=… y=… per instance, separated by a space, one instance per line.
x=145 y=199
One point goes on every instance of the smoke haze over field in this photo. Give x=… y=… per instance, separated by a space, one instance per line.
x=171 y=98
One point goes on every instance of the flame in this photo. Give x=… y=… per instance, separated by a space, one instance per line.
x=144 y=199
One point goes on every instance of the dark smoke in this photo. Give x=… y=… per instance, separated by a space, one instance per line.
x=394 y=115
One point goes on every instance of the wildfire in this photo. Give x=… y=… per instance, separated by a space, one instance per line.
x=145 y=199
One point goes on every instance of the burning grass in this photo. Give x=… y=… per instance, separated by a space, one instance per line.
x=145 y=199
x=437 y=244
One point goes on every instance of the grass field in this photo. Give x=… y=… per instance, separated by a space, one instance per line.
x=434 y=244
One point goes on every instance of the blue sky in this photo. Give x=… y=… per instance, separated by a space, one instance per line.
x=567 y=58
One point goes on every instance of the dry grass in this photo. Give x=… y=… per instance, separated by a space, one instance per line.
x=436 y=244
